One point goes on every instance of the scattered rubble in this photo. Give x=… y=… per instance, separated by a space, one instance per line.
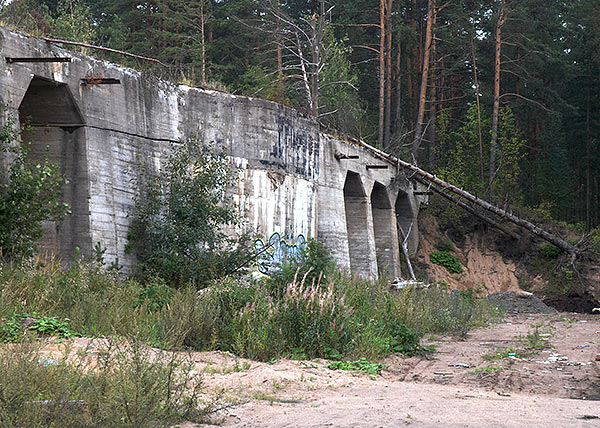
x=519 y=302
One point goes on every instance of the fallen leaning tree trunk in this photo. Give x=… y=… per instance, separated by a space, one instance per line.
x=469 y=209
x=445 y=186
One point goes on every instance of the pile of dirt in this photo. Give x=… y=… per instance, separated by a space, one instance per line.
x=519 y=303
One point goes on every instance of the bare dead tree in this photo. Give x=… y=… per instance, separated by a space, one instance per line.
x=301 y=49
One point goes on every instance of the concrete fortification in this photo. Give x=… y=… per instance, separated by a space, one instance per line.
x=295 y=182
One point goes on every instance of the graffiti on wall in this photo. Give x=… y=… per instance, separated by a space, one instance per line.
x=277 y=251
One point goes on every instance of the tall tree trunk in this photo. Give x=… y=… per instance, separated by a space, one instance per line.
x=381 y=71
x=424 y=79
x=597 y=200
x=588 y=219
x=388 y=75
x=318 y=27
x=496 y=107
x=410 y=88
x=433 y=111
x=280 y=76
x=315 y=72
x=398 y=85
x=203 y=39
x=479 y=135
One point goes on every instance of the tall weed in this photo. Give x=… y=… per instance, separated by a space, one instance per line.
x=123 y=384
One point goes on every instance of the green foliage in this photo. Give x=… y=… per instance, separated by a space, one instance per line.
x=305 y=317
x=30 y=16
x=15 y=328
x=507 y=181
x=435 y=310
x=51 y=326
x=314 y=264
x=447 y=260
x=64 y=19
x=177 y=230
x=11 y=330
x=74 y=21
x=595 y=241
x=404 y=340
x=338 y=85
x=155 y=295
x=29 y=194
x=345 y=318
x=548 y=250
x=361 y=365
x=458 y=152
x=258 y=82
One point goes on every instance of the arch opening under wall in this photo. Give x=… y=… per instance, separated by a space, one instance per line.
x=356 y=207
x=404 y=215
x=383 y=227
x=52 y=126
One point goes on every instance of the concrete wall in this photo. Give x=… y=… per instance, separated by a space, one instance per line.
x=292 y=185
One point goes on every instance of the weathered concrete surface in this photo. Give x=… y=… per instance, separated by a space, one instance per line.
x=292 y=186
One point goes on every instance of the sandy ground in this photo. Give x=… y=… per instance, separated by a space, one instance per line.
x=557 y=387
x=464 y=383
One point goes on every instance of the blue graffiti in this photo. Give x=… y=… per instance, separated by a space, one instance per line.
x=277 y=251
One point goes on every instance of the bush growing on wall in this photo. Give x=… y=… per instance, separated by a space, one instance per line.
x=177 y=231
x=30 y=193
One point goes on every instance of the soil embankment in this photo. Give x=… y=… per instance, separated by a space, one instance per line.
x=484 y=268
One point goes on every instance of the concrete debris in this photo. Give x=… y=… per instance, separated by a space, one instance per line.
x=399 y=284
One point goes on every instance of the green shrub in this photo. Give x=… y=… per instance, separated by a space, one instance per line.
x=548 y=250
x=50 y=326
x=155 y=295
x=404 y=340
x=29 y=194
x=177 y=230
x=11 y=331
x=314 y=264
x=447 y=260
x=361 y=365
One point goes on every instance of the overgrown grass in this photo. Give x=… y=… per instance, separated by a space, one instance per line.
x=120 y=384
x=326 y=313
x=345 y=316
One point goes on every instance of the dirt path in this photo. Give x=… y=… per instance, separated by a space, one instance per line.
x=552 y=380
